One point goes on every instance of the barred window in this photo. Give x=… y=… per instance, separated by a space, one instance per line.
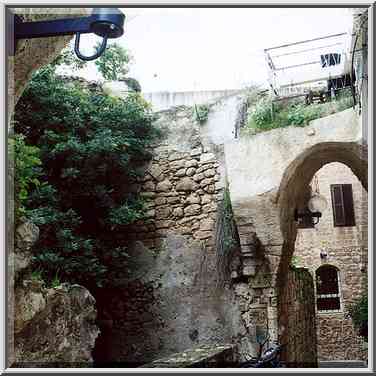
x=327 y=289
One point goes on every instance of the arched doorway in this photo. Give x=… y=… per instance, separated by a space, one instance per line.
x=293 y=193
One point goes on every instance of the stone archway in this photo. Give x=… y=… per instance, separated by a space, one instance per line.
x=297 y=177
x=291 y=194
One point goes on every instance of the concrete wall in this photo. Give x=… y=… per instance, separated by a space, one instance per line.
x=347 y=250
x=164 y=100
x=256 y=164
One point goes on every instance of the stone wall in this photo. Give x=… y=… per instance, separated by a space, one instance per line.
x=346 y=248
x=297 y=317
x=172 y=299
x=176 y=248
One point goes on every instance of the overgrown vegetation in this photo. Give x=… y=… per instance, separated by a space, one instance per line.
x=265 y=114
x=26 y=168
x=359 y=314
x=201 y=113
x=79 y=156
x=227 y=239
x=113 y=64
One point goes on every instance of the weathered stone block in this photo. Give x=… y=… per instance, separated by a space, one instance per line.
x=190 y=171
x=178 y=212
x=193 y=199
x=186 y=184
x=173 y=200
x=156 y=172
x=209 y=173
x=198 y=177
x=209 y=188
x=193 y=209
x=176 y=165
x=180 y=172
x=191 y=163
x=164 y=186
x=160 y=200
x=206 y=182
x=162 y=213
x=175 y=156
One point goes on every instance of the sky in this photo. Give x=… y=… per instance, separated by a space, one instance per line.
x=185 y=49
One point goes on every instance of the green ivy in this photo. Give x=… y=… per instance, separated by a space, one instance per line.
x=90 y=146
x=26 y=167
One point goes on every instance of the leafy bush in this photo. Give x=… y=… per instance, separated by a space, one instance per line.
x=266 y=115
x=358 y=312
x=202 y=113
x=91 y=146
x=113 y=63
x=26 y=168
x=262 y=112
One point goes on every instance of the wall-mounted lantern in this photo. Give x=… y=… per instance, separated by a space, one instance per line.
x=104 y=22
x=316 y=205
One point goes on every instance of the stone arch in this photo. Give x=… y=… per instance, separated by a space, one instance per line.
x=292 y=193
x=297 y=177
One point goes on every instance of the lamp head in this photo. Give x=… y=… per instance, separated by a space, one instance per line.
x=107 y=22
x=317 y=203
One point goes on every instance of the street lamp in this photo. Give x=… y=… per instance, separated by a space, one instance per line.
x=316 y=205
x=104 y=22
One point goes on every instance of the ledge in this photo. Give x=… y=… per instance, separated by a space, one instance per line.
x=204 y=356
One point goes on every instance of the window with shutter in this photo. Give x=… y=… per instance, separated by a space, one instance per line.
x=327 y=289
x=343 y=205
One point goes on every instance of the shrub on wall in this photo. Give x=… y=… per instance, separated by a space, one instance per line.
x=26 y=167
x=201 y=113
x=359 y=315
x=265 y=114
x=91 y=146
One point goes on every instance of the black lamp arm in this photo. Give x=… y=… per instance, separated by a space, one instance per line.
x=52 y=28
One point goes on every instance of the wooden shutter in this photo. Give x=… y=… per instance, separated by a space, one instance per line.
x=343 y=205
